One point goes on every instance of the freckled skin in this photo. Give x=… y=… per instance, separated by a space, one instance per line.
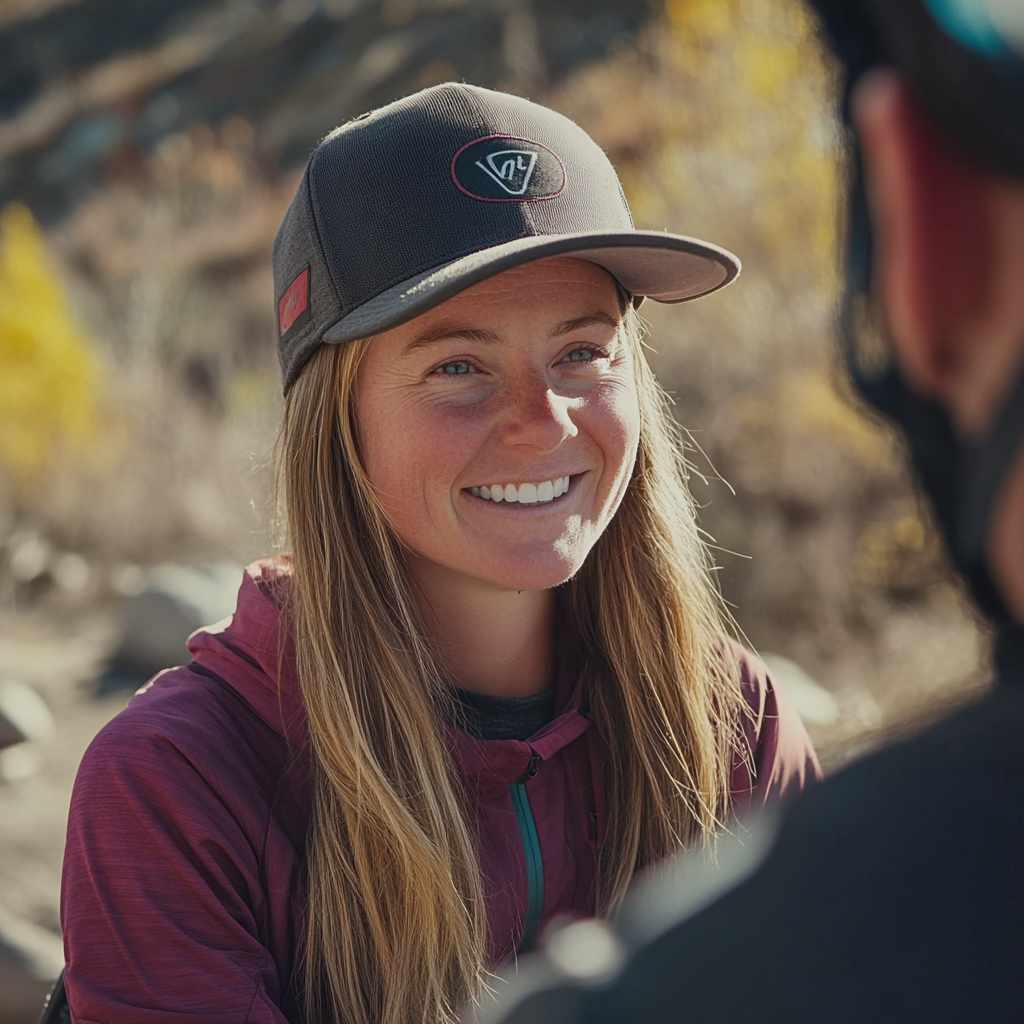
x=502 y=397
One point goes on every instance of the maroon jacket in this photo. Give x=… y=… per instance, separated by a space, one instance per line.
x=183 y=874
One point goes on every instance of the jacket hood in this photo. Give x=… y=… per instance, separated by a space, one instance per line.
x=252 y=653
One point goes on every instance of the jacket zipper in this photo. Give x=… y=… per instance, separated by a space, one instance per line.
x=531 y=850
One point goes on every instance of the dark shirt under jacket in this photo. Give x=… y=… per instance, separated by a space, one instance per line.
x=503 y=718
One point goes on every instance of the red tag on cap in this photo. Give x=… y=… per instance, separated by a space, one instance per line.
x=294 y=302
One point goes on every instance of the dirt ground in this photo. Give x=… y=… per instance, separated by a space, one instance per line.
x=60 y=658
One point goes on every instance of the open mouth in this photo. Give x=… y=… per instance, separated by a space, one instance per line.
x=523 y=494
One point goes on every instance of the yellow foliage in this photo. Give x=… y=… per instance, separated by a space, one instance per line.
x=703 y=20
x=49 y=375
x=900 y=553
x=817 y=408
x=805 y=404
x=250 y=389
x=754 y=157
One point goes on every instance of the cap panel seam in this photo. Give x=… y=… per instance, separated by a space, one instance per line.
x=320 y=242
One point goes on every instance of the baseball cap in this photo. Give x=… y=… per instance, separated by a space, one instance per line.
x=411 y=203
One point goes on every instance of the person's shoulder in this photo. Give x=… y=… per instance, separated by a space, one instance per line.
x=891 y=891
x=184 y=725
x=777 y=757
x=973 y=759
x=218 y=717
x=901 y=823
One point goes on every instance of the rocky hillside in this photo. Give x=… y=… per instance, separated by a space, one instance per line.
x=89 y=87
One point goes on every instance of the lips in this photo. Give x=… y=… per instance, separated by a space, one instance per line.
x=524 y=493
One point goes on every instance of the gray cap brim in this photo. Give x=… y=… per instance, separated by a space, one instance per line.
x=651 y=264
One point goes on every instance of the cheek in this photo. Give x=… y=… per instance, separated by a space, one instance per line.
x=381 y=459
x=616 y=429
x=387 y=444
x=412 y=452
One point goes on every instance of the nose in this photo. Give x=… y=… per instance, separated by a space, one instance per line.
x=535 y=415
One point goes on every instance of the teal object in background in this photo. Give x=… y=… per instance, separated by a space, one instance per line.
x=981 y=25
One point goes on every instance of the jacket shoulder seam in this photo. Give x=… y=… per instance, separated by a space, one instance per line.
x=256 y=985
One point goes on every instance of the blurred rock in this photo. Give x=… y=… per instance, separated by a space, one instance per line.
x=812 y=701
x=9 y=733
x=172 y=603
x=29 y=556
x=71 y=572
x=19 y=762
x=23 y=715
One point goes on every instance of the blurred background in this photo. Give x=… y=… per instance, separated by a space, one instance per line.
x=148 y=149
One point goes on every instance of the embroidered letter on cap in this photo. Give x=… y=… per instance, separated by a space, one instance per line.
x=293 y=308
x=503 y=168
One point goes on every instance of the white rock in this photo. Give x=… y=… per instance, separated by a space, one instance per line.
x=21 y=761
x=71 y=572
x=23 y=714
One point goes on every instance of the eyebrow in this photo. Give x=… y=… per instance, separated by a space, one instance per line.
x=579 y=323
x=444 y=331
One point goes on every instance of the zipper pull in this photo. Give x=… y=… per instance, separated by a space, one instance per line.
x=531 y=769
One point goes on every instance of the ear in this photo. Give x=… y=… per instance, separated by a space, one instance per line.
x=934 y=249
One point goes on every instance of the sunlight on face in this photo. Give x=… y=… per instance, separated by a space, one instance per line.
x=499 y=429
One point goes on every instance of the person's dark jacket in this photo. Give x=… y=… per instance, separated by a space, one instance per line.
x=893 y=893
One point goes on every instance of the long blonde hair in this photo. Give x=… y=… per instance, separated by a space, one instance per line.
x=396 y=926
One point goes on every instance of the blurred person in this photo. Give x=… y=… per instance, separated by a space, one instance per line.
x=895 y=890
x=492 y=680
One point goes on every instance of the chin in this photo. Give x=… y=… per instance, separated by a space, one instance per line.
x=536 y=573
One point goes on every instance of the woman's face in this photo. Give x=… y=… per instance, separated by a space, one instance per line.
x=500 y=428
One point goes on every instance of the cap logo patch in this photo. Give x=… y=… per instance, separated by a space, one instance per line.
x=503 y=168
x=511 y=169
x=293 y=307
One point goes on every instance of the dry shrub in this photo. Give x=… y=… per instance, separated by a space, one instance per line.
x=173 y=277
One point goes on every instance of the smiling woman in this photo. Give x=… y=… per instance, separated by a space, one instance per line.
x=492 y=680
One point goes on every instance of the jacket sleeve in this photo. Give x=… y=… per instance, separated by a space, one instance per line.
x=161 y=891
x=777 y=758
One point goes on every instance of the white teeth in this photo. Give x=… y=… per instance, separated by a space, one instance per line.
x=524 y=494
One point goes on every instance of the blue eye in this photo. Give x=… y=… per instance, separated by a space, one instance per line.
x=580 y=355
x=458 y=367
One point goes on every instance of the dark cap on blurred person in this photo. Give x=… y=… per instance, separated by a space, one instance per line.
x=409 y=204
x=964 y=60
